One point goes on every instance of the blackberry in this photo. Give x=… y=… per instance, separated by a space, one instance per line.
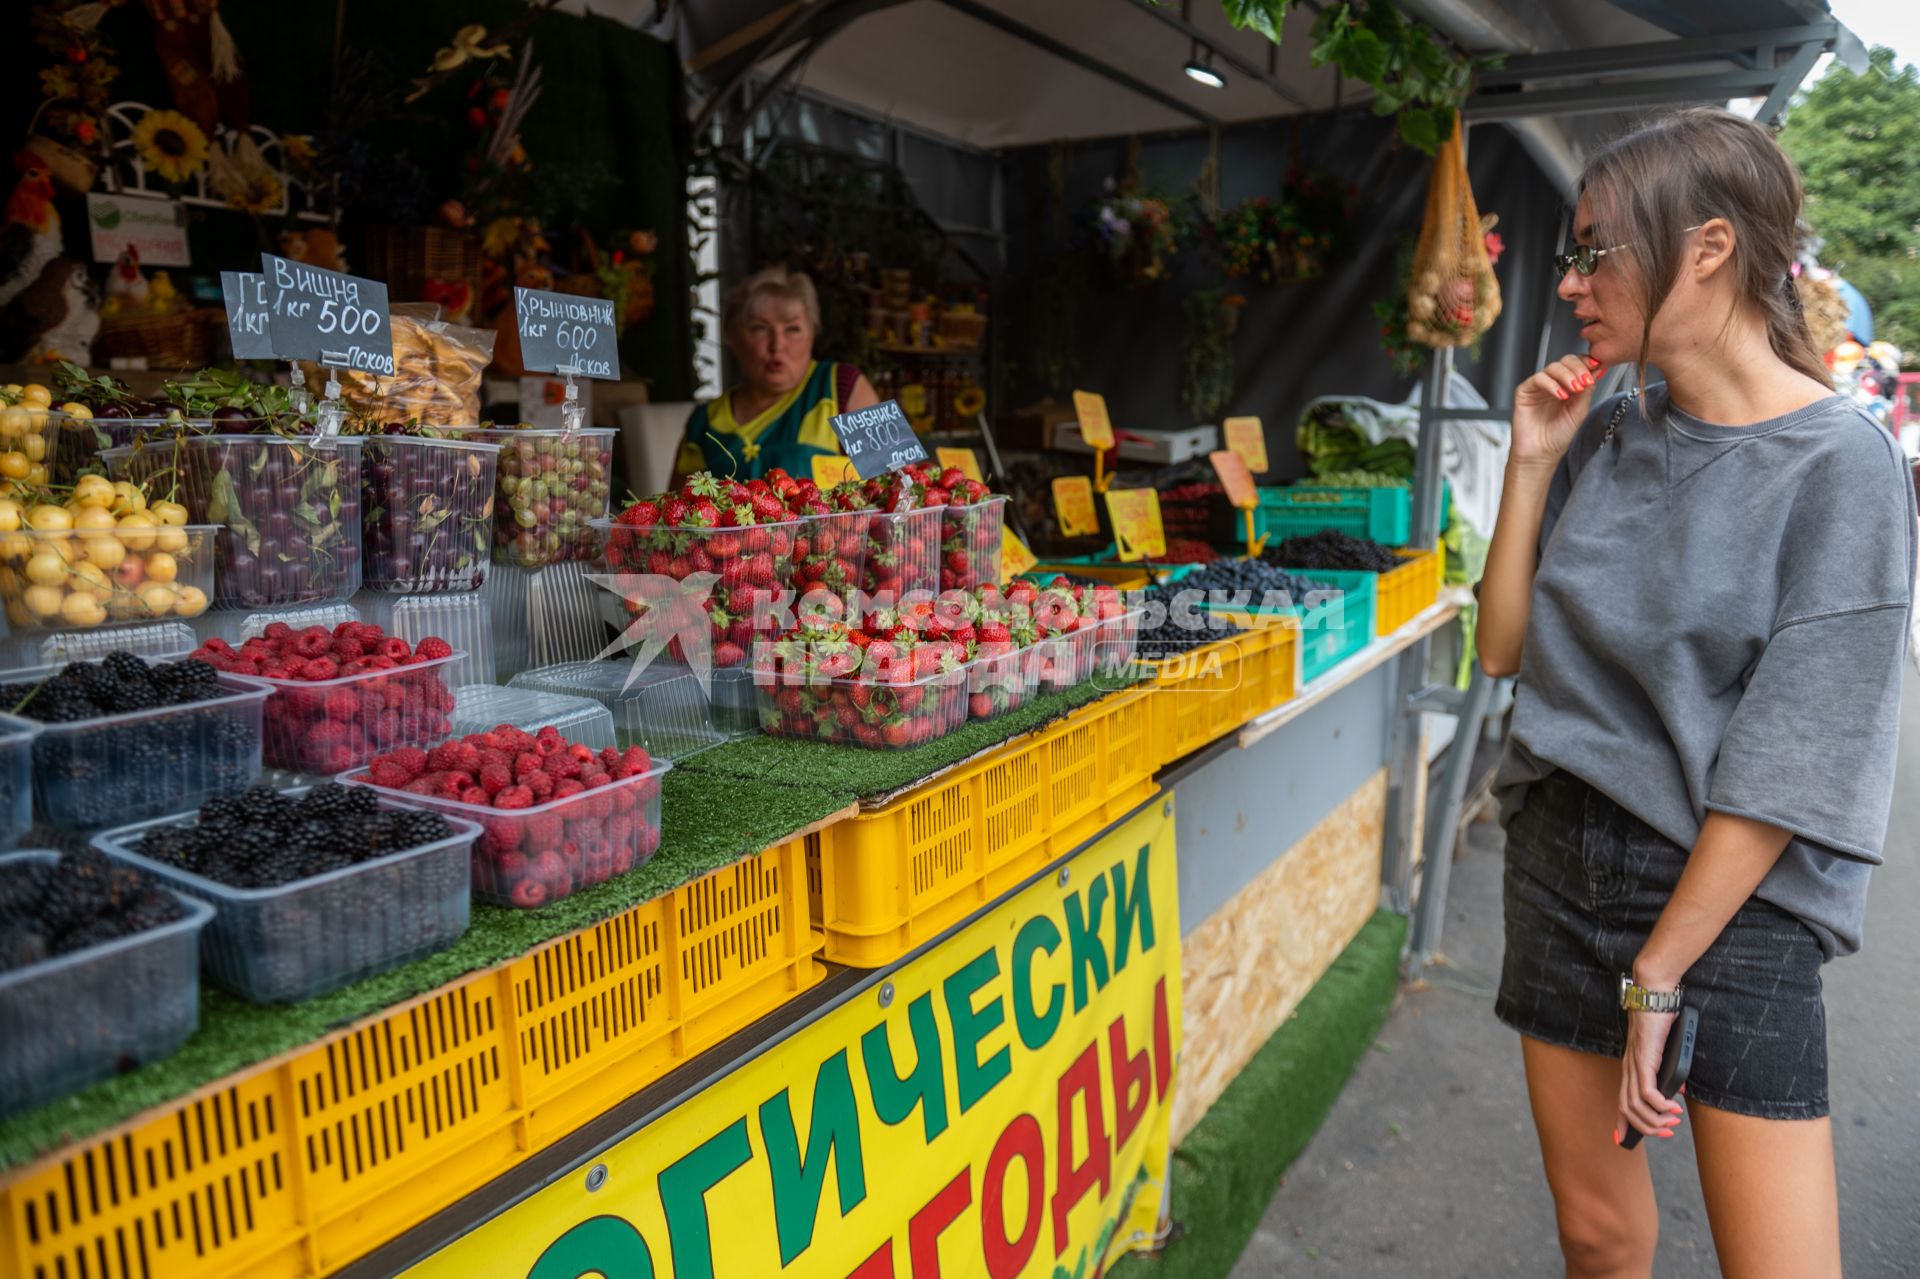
x=82 y=900
x=125 y=667
x=1330 y=549
x=415 y=827
x=329 y=801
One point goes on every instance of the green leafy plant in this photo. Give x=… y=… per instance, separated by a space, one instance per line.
x=1206 y=368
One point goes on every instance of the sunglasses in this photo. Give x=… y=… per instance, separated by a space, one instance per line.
x=1586 y=259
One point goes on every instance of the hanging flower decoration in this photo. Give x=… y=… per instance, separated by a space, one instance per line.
x=74 y=87
x=1141 y=234
x=1289 y=239
x=170 y=145
x=243 y=178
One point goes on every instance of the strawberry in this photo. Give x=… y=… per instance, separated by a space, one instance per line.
x=980 y=706
x=727 y=654
x=952 y=477
x=675 y=511
x=898 y=733
x=641 y=514
x=529 y=893
x=768 y=509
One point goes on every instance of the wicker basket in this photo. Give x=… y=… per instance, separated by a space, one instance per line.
x=409 y=258
x=962 y=330
x=177 y=341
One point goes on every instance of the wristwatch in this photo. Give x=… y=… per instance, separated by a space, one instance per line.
x=1636 y=998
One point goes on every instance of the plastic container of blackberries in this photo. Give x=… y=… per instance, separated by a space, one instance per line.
x=288 y=508
x=87 y=1015
x=79 y=445
x=301 y=939
x=89 y=774
x=426 y=512
x=328 y=726
x=550 y=485
x=74 y=579
x=16 y=779
x=522 y=858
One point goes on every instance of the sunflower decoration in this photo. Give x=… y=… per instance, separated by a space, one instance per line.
x=170 y=145
x=243 y=178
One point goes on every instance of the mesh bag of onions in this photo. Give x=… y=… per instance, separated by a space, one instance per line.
x=1452 y=295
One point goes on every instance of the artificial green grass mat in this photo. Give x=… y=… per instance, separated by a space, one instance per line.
x=868 y=773
x=1226 y=1171
x=707 y=821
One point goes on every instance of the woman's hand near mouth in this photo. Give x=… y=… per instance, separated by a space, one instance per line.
x=1548 y=409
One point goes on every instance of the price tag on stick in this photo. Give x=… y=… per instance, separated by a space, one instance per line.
x=1096 y=428
x=337 y=321
x=247 y=313
x=1136 y=523
x=1235 y=479
x=1073 y=506
x=830 y=469
x=962 y=460
x=1015 y=558
x=1248 y=438
x=878 y=439
x=567 y=333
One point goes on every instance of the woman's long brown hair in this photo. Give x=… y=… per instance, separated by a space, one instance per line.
x=1646 y=188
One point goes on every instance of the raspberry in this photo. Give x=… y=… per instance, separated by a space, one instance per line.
x=637 y=759
x=346 y=650
x=327 y=734
x=275 y=630
x=489 y=741
x=218 y=645
x=432 y=648
x=624 y=801
x=527 y=762
x=380 y=662
x=594 y=777
x=548 y=747
x=358 y=666
x=475 y=796
x=647 y=839
x=566 y=787
x=541 y=785
x=563 y=765
x=494 y=779
x=582 y=752
x=390 y=775
x=419 y=786
x=500 y=836
x=319 y=668
x=514 y=797
x=343 y=631
x=465 y=756
x=608 y=758
x=313 y=642
x=489 y=758
x=340 y=704
x=411 y=758
x=450 y=785
x=529 y=893
x=441 y=757
x=395 y=650
x=544 y=830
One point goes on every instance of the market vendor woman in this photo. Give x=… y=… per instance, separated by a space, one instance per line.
x=777 y=416
x=1704 y=591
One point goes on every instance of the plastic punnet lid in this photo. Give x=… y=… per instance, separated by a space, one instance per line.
x=161 y=640
x=563 y=614
x=479 y=707
x=464 y=620
x=664 y=709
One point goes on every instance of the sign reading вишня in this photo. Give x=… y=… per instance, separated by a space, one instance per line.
x=336 y=320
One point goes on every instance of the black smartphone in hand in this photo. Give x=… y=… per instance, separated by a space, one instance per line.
x=1675 y=1062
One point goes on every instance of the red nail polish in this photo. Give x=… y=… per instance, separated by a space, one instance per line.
x=1666 y=1133
x=1592 y=363
x=1557 y=391
x=1616 y=1136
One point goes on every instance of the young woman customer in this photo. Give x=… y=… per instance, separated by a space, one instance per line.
x=1704 y=591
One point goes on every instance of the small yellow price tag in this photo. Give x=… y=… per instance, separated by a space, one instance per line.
x=1096 y=428
x=1015 y=558
x=1248 y=438
x=830 y=469
x=963 y=460
x=1073 y=506
x=1235 y=479
x=1136 y=523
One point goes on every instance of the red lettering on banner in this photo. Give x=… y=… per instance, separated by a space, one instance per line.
x=1162 y=1042
x=1070 y=1183
x=1021 y=1139
x=923 y=1232
x=1129 y=1073
x=878 y=1266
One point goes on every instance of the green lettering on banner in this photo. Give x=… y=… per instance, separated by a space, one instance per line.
x=1083 y=941
x=604 y=1246
x=894 y=1097
x=1131 y=912
x=683 y=1195
x=976 y=1078
x=1036 y=1029
x=833 y=1130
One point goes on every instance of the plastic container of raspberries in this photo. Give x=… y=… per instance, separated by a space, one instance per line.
x=426 y=512
x=75 y=580
x=80 y=443
x=77 y=1018
x=305 y=938
x=328 y=726
x=288 y=509
x=89 y=774
x=903 y=553
x=754 y=566
x=477 y=708
x=970 y=543
x=864 y=710
x=533 y=856
x=16 y=779
x=550 y=485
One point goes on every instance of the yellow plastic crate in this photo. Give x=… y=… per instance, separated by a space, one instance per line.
x=1205 y=694
x=895 y=876
x=301 y=1165
x=1409 y=590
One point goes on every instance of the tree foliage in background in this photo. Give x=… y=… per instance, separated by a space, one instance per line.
x=1856 y=139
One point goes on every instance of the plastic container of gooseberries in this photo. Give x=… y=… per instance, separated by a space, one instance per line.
x=754 y=566
x=426 y=512
x=863 y=710
x=521 y=859
x=551 y=484
x=90 y=774
x=79 y=444
x=328 y=726
x=74 y=1019
x=970 y=538
x=16 y=779
x=288 y=508
x=301 y=939
x=78 y=580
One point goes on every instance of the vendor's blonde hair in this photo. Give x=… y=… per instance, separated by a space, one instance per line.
x=776 y=283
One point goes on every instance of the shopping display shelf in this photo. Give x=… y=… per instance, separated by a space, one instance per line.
x=1205 y=693
x=1408 y=591
x=883 y=882
x=300 y=1165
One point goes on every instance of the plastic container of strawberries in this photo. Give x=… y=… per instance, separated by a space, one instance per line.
x=426 y=512
x=830 y=552
x=754 y=566
x=864 y=710
x=530 y=857
x=328 y=726
x=1115 y=641
x=301 y=939
x=970 y=539
x=999 y=683
x=903 y=553
x=551 y=485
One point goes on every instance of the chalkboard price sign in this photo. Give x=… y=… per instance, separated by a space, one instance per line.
x=247 y=309
x=878 y=439
x=336 y=320
x=567 y=333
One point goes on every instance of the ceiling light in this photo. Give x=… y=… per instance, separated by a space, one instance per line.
x=1203 y=72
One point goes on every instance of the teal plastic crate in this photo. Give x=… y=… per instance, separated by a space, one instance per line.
x=1383 y=515
x=1331 y=631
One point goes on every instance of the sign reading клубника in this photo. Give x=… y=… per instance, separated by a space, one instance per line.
x=337 y=321
x=999 y=1109
x=877 y=439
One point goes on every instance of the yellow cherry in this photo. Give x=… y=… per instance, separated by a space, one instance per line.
x=16 y=548
x=46 y=568
x=35 y=447
x=13 y=423
x=189 y=601
x=107 y=552
x=171 y=540
x=168 y=513
x=44 y=601
x=35 y=396
x=162 y=567
x=92 y=519
x=89 y=577
x=15 y=465
x=136 y=530
x=82 y=609
x=156 y=599
x=9 y=515
x=76 y=410
x=127 y=498
x=46 y=516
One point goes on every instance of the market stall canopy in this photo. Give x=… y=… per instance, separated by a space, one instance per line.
x=1003 y=73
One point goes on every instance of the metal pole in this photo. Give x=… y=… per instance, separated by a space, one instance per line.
x=1426 y=452
x=1403 y=763
x=1430 y=912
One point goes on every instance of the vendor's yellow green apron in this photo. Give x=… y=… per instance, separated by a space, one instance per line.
x=790 y=433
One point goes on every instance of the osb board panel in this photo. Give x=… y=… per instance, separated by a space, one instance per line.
x=1419 y=835
x=1243 y=970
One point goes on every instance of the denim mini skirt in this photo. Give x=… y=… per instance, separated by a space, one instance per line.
x=1585 y=882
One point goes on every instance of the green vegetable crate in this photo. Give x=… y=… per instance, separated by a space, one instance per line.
x=1383 y=515
x=1332 y=630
